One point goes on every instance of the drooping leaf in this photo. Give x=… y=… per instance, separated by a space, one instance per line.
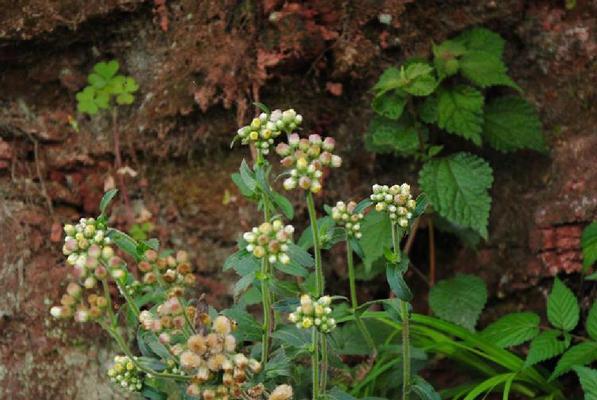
x=460 y=112
x=424 y=390
x=242 y=187
x=278 y=365
x=389 y=104
x=588 y=381
x=591 y=323
x=512 y=329
x=511 y=123
x=588 y=242
x=395 y=277
x=377 y=234
x=545 y=346
x=457 y=187
x=459 y=300
x=291 y=336
x=283 y=204
x=247 y=176
x=300 y=256
x=577 y=356
x=562 y=307
x=428 y=110
x=125 y=243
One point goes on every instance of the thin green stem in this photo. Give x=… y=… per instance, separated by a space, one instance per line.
x=404 y=314
x=353 y=297
x=267 y=312
x=319 y=279
x=320 y=289
x=315 y=362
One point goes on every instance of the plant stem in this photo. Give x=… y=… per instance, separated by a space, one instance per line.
x=267 y=313
x=320 y=288
x=405 y=325
x=319 y=280
x=353 y=297
x=315 y=362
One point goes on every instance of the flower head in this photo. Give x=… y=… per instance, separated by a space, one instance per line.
x=125 y=373
x=306 y=160
x=266 y=127
x=270 y=240
x=345 y=215
x=314 y=313
x=396 y=200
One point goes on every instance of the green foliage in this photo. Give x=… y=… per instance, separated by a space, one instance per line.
x=588 y=381
x=457 y=186
x=512 y=329
x=418 y=101
x=588 y=243
x=578 y=355
x=376 y=230
x=459 y=300
x=103 y=85
x=546 y=345
x=562 y=307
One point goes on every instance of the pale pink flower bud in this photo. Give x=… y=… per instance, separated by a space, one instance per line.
x=287 y=161
x=283 y=149
x=74 y=289
x=329 y=143
x=336 y=161
x=304 y=182
x=315 y=139
x=325 y=158
x=293 y=139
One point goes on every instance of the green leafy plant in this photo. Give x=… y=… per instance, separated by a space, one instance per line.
x=285 y=335
x=104 y=85
x=420 y=101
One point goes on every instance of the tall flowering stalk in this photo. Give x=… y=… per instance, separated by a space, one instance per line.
x=398 y=203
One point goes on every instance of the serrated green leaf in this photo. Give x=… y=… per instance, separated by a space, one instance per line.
x=577 y=356
x=562 y=307
x=389 y=104
x=512 y=329
x=293 y=269
x=588 y=242
x=460 y=112
x=248 y=328
x=243 y=283
x=591 y=323
x=511 y=123
x=376 y=234
x=278 y=365
x=545 y=346
x=290 y=335
x=457 y=187
x=485 y=69
x=445 y=57
x=300 y=255
x=588 y=381
x=482 y=39
x=418 y=79
x=125 y=243
x=388 y=136
x=459 y=300
x=388 y=80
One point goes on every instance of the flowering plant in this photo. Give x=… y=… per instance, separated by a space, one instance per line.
x=299 y=340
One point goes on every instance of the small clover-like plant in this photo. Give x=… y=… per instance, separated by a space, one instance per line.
x=105 y=85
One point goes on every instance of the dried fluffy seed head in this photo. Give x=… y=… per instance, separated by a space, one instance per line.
x=190 y=360
x=222 y=325
x=196 y=344
x=282 y=392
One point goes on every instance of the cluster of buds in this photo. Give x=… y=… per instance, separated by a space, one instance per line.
x=73 y=305
x=306 y=159
x=314 y=314
x=218 y=371
x=126 y=374
x=345 y=215
x=270 y=240
x=396 y=200
x=89 y=251
x=170 y=317
x=265 y=128
x=173 y=270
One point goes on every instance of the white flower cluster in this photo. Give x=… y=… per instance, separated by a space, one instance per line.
x=345 y=216
x=170 y=319
x=270 y=240
x=90 y=253
x=219 y=372
x=314 y=313
x=396 y=200
x=306 y=159
x=264 y=129
x=126 y=374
